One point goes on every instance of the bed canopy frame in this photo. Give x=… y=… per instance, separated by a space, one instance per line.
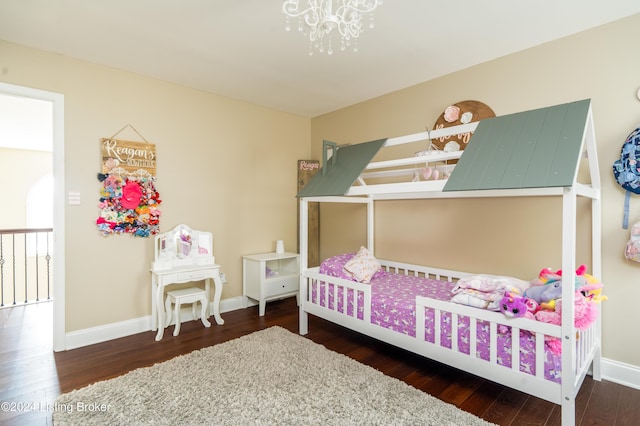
x=536 y=153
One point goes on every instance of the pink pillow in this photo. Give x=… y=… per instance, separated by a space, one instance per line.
x=362 y=266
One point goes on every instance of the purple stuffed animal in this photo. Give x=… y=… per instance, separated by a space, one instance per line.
x=515 y=306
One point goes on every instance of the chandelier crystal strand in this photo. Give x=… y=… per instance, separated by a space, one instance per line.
x=318 y=18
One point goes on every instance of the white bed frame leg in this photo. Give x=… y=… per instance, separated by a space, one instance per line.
x=304 y=322
x=596 y=369
x=569 y=411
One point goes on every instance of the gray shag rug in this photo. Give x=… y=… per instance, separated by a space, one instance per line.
x=270 y=377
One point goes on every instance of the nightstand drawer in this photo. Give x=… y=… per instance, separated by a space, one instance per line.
x=276 y=286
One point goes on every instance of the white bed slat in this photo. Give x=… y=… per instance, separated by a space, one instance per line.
x=436 y=156
x=515 y=348
x=473 y=337
x=325 y=289
x=580 y=351
x=493 y=345
x=454 y=332
x=345 y=300
x=432 y=134
x=539 y=359
x=313 y=289
x=437 y=328
x=420 y=319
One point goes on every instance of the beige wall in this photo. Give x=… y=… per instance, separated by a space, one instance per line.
x=516 y=237
x=223 y=165
x=218 y=170
x=19 y=170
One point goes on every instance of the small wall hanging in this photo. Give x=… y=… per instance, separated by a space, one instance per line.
x=460 y=113
x=306 y=170
x=129 y=202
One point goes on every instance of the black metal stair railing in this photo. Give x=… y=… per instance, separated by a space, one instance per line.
x=25 y=266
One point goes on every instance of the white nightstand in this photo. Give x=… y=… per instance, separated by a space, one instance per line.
x=270 y=276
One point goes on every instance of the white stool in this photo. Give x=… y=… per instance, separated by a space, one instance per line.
x=186 y=295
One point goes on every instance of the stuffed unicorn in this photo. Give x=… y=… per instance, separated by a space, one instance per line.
x=585 y=314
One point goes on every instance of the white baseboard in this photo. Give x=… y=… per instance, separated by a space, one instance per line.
x=613 y=371
x=233 y=304
x=621 y=373
x=103 y=333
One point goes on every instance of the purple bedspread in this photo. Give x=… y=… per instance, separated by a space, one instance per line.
x=393 y=306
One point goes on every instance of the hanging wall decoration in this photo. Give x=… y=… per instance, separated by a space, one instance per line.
x=460 y=113
x=129 y=202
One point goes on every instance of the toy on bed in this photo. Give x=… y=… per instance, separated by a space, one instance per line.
x=546 y=290
x=585 y=314
x=516 y=306
x=545 y=295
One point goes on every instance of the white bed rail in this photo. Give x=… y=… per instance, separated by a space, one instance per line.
x=336 y=300
x=395 y=171
x=472 y=362
x=535 y=384
x=422 y=271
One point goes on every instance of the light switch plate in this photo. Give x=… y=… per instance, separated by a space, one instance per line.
x=74 y=198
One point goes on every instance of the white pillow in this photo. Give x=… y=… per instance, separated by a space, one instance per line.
x=362 y=266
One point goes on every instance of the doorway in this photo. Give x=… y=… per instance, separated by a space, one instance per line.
x=56 y=101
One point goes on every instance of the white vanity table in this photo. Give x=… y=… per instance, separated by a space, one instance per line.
x=183 y=255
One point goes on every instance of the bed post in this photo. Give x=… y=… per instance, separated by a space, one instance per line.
x=370 y=225
x=568 y=390
x=596 y=233
x=596 y=220
x=304 y=237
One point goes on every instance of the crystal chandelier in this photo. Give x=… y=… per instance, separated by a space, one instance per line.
x=318 y=18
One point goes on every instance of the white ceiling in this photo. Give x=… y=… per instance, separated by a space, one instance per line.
x=239 y=48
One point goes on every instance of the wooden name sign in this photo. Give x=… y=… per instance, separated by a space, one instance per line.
x=127 y=155
x=460 y=113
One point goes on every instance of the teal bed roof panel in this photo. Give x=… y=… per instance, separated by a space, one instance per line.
x=532 y=149
x=336 y=178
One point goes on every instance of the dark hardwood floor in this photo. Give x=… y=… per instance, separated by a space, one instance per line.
x=32 y=376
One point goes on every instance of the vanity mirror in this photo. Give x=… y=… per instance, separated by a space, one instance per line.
x=183 y=243
x=182 y=247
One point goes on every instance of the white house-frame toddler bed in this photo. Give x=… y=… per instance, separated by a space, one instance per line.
x=510 y=351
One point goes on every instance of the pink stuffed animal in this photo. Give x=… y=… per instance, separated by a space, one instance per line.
x=586 y=313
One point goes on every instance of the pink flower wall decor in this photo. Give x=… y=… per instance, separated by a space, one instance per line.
x=131 y=195
x=452 y=113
